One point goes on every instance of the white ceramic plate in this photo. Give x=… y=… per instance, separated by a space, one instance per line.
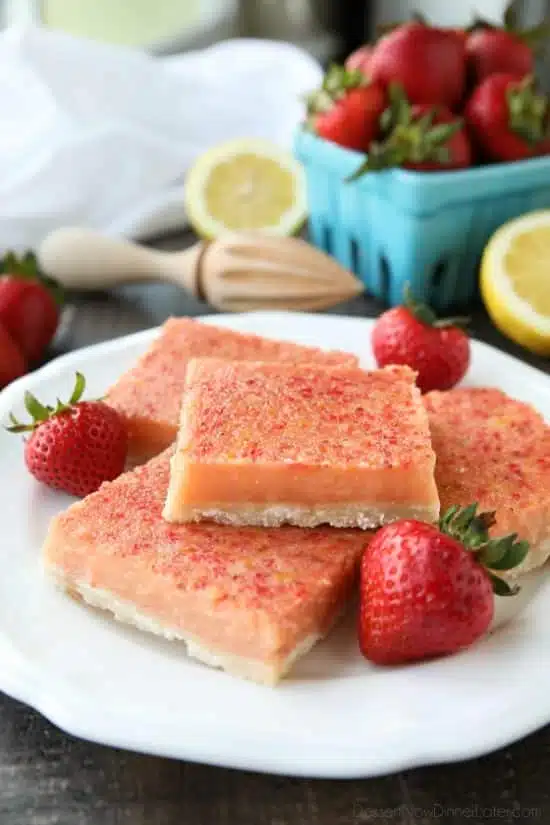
x=336 y=716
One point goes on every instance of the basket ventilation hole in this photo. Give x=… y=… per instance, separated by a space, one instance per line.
x=355 y=260
x=438 y=276
x=327 y=239
x=385 y=275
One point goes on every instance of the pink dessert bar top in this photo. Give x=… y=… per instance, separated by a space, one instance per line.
x=271 y=443
x=494 y=450
x=149 y=395
x=247 y=600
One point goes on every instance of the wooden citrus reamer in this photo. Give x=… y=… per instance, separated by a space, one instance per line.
x=235 y=273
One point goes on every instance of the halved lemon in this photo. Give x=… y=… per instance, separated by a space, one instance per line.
x=515 y=280
x=245 y=185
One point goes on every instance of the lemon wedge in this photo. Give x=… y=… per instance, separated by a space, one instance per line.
x=245 y=185
x=515 y=280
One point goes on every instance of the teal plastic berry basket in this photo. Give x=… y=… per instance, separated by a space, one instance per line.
x=399 y=227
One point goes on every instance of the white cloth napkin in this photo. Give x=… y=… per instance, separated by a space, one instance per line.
x=101 y=136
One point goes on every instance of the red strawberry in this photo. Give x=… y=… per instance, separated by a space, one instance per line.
x=508 y=118
x=347 y=109
x=492 y=51
x=73 y=447
x=421 y=137
x=443 y=149
x=438 y=351
x=28 y=308
x=360 y=60
x=427 y=591
x=12 y=361
x=504 y=49
x=461 y=34
x=429 y=63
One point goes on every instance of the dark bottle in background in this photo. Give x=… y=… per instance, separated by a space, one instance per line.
x=348 y=20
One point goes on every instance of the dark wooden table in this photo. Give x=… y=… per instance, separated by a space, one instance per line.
x=49 y=778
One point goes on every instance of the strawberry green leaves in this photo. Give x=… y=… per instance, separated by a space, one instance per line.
x=27 y=267
x=528 y=111
x=412 y=136
x=471 y=529
x=426 y=315
x=40 y=412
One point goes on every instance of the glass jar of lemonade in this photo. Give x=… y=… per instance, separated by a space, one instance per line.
x=174 y=24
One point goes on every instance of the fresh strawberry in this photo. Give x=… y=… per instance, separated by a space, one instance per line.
x=28 y=305
x=438 y=351
x=347 y=108
x=509 y=118
x=492 y=51
x=461 y=34
x=506 y=49
x=421 y=137
x=360 y=59
x=427 y=591
x=429 y=63
x=76 y=446
x=12 y=360
x=383 y=29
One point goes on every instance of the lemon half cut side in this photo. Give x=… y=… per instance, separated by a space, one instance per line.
x=245 y=185
x=515 y=280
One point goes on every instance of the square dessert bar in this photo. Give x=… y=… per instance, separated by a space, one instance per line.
x=268 y=444
x=495 y=451
x=247 y=600
x=149 y=395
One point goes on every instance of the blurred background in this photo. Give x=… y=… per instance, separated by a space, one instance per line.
x=328 y=29
x=103 y=137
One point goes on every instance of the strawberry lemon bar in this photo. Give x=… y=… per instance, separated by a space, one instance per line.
x=247 y=600
x=495 y=451
x=267 y=444
x=149 y=395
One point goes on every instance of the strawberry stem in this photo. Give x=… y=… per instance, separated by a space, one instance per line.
x=426 y=315
x=422 y=312
x=42 y=412
x=502 y=588
x=78 y=391
x=27 y=267
x=408 y=139
x=336 y=83
x=399 y=112
x=35 y=409
x=528 y=111
x=471 y=529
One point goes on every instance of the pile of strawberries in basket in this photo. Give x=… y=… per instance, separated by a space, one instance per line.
x=430 y=98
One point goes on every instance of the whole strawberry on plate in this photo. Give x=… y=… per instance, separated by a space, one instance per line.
x=430 y=63
x=76 y=446
x=29 y=304
x=437 y=350
x=429 y=590
x=420 y=137
x=509 y=118
x=347 y=108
